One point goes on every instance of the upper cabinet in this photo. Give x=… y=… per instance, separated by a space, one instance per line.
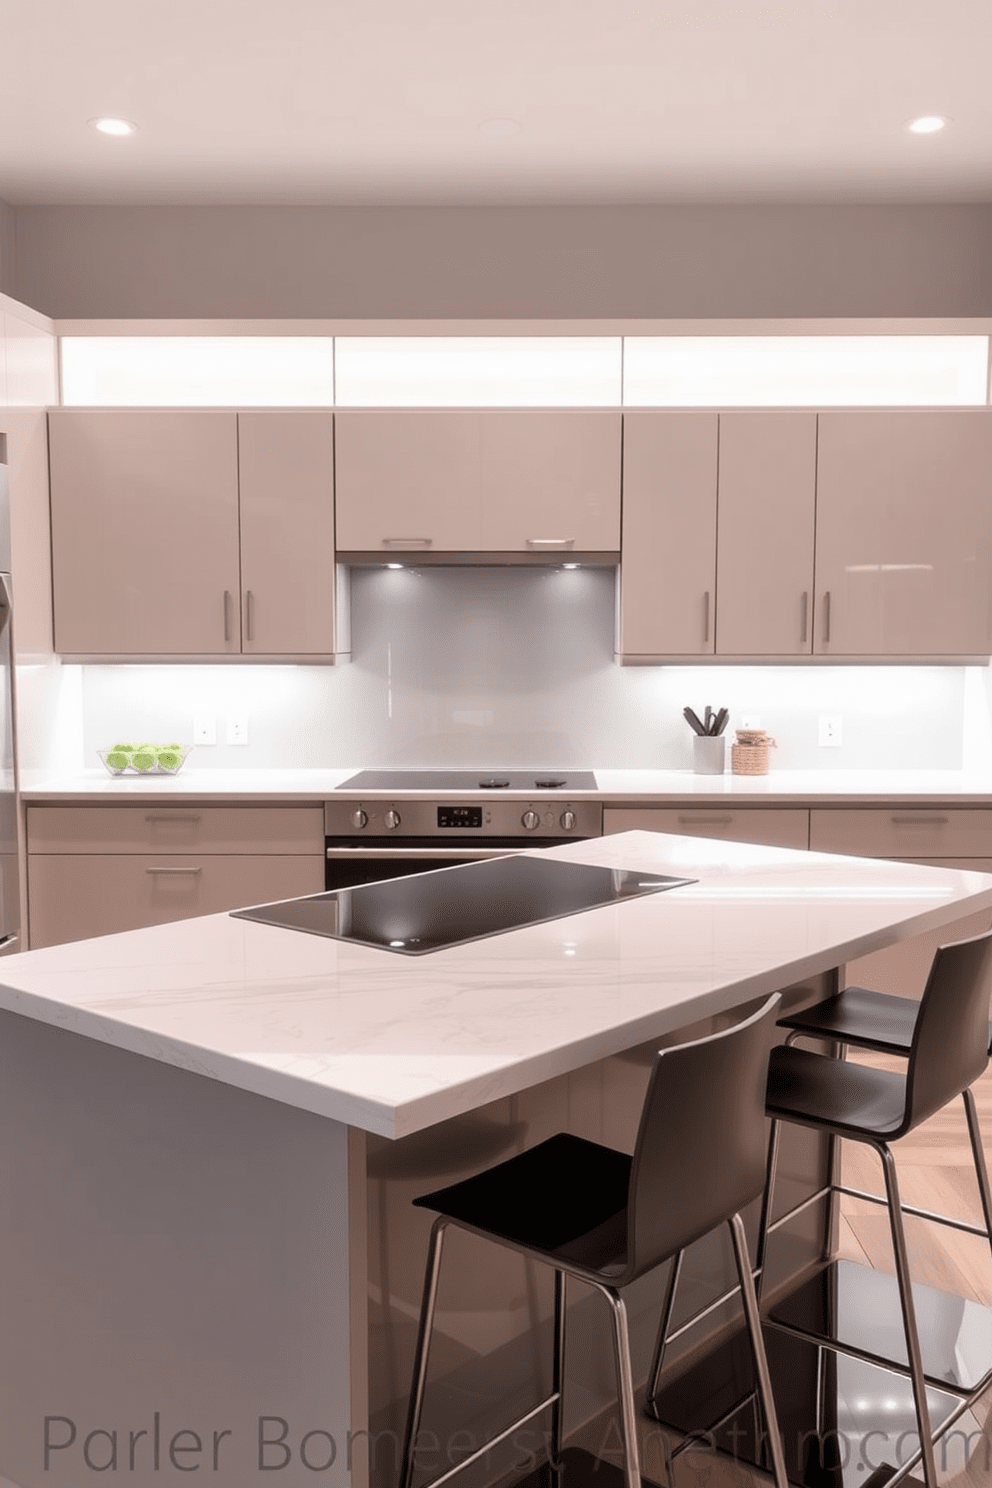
x=145 y=531
x=782 y=533
x=288 y=573
x=904 y=534
x=765 y=512
x=471 y=480
x=192 y=532
x=668 y=557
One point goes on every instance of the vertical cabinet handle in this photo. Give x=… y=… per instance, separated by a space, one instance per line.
x=249 y=615
x=804 y=636
x=706 y=617
x=227 y=614
x=826 y=616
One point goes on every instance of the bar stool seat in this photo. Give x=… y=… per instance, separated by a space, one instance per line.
x=852 y=1099
x=949 y=1050
x=566 y=1197
x=607 y=1218
x=863 y=1018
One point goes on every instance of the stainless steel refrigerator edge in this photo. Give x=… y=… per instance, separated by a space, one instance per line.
x=9 y=865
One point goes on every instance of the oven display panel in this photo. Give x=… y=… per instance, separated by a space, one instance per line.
x=459 y=816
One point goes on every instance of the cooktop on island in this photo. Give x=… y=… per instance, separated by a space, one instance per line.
x=470 y=780
x=450 y=906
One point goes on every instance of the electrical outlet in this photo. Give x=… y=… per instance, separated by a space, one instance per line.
x=204 y=728
x=750 y=721
x=831 y=730
x=237 y=729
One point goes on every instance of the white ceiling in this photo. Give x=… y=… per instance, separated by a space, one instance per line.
x=380 y=101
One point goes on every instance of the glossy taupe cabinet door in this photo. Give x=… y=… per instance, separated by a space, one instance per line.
x=766 y=505
x=408 y=479
x=551 y=480
x=540 y=481
x=904 y=533
x=668 y=546
x=145 y=531
x=287 y=532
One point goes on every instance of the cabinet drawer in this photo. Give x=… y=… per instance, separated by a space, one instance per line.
x=72 y=896
x=175 y=829
x=903 y=832
x=765 y=827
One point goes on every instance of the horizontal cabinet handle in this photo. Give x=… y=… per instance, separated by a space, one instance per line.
x=705 y=821
x=549 y=542
x=163 y=818
x=920 y=821
x=173 y=870
x=418 y=852
x=407 y=542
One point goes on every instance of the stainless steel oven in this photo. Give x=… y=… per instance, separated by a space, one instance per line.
x=369 y=838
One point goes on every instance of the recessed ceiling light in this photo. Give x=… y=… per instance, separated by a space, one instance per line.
x=500 y=129
x=118 y=127
x=928 y=124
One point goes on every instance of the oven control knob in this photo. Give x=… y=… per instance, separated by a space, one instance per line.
x=530 y=820
x=567 y=820
x=392 y=819
x=359 y=819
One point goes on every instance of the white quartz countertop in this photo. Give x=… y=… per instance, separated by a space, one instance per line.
x=658 y=787
x=393 y=1044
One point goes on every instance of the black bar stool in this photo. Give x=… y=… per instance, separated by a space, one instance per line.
x=607 y=1218
x=948 y=1051
x=871 y=1020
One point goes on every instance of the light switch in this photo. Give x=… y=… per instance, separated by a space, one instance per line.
x=204 y=728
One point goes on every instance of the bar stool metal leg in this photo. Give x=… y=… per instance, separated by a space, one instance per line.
x=661 y=1342
x=978 y=1153
x=427 y=1308
x=767 y=1200
x=558 y=1373
x=908 y=1314
x=753 y=1317
x=625 y=1382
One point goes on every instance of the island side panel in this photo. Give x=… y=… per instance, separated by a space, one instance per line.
x=175 y=1272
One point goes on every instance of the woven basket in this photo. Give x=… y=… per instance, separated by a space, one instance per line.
x=749 y=756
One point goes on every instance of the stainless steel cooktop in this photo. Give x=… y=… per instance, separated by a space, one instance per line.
x=449 y=906
x=469 y=780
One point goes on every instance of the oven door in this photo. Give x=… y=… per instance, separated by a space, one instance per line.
x=352 y=861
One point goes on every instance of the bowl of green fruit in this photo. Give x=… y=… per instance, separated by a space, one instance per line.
x=144 y=759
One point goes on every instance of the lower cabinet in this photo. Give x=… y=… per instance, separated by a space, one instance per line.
x=96 y=870
x=785 y=827
x=944 y=837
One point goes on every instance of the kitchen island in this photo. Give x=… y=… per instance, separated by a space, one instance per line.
x=213 y=1130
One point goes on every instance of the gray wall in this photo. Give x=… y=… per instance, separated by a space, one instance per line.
x=657 y=261
x=7 y=219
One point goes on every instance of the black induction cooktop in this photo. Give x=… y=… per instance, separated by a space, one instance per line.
x=469 y=780
x=449 y=906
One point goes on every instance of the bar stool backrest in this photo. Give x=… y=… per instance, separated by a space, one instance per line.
x=951 y=1038
x=701 y=1145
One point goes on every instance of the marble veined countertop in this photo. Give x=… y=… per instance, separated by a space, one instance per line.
x=393 y=1044
x=657 y=787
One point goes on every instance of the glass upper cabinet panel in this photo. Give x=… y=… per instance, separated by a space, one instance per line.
x=477 y=371
x=198 y=371
x=810 y=371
